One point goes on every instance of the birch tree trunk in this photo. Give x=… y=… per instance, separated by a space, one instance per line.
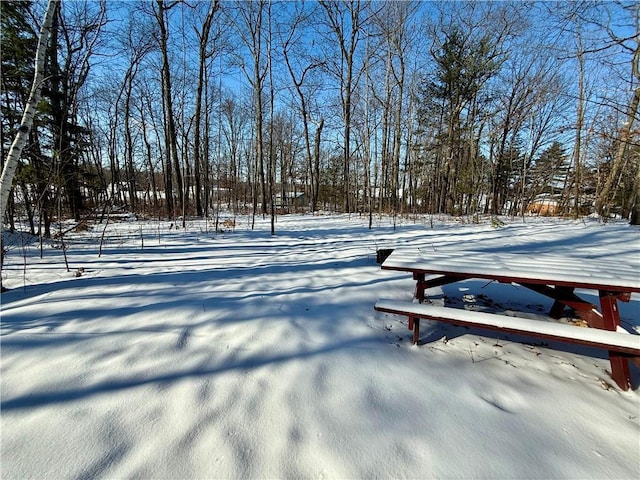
x=22 y=135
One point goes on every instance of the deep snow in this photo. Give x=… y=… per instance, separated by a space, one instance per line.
x=192 y=354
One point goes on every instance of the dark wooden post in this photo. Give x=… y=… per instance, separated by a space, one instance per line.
x=611 y=319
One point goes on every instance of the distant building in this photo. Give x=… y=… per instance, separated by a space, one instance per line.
x=291 y=200
x=544 y=205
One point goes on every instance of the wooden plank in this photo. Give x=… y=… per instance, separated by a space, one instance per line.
x=622 y=342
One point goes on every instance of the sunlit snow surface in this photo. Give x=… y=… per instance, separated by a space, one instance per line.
x=192 y=354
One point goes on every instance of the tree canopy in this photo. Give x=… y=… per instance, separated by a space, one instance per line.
x=177 y=108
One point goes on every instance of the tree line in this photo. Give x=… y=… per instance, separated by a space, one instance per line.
x=178 y=108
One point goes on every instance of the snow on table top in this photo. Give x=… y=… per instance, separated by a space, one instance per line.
x=539 y=268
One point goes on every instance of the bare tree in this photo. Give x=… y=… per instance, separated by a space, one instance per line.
x=580 y=113
x=137 y=44
x=631 y=45
x=250 y=26
x=74 y=39
x=396 y=38
x=346 y=20
x=171 y=140
x=204 y=53
x=233 y=124
x=271 y=168
x=301 y=67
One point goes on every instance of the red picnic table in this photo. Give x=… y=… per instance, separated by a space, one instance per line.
x=554 y=276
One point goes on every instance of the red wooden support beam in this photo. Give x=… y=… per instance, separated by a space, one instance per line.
x=564 y=296
x=557 y=309
x=416 y=331
x=414 y=322
x=420 y=286
x=611 y=319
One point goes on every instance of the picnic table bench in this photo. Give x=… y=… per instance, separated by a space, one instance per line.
x=554 y=276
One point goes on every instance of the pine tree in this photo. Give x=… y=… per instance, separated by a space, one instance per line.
x=463 y=66
x=549 y=175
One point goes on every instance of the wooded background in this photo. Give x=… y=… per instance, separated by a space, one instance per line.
x=171 y=109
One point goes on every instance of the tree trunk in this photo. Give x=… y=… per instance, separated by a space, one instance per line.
x=131 y=183
x=252 y=14
x=635 y=208
x=13 y=157
x=170 y=127
x=203 y=38
x=607 y=193
x=315 y=174
x=15 y=151
x=272 y=161
x=577 y=151
x=347 y=35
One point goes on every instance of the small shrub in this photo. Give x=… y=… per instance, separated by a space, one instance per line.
x=496 y=222
x=227 y=225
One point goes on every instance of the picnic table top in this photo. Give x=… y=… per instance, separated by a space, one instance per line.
x=599 y=273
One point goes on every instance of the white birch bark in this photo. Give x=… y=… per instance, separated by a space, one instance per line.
x=22 y=135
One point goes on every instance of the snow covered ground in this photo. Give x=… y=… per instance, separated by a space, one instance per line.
x=192 y=354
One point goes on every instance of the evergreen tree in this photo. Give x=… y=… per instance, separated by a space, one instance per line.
x=450 y=100
x=18 y=41
x=550 y=172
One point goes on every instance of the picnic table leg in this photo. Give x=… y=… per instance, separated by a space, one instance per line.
x=414 y=322
x=416 y=331
x=611 y=319
x=557 y=309
x=420 y=286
